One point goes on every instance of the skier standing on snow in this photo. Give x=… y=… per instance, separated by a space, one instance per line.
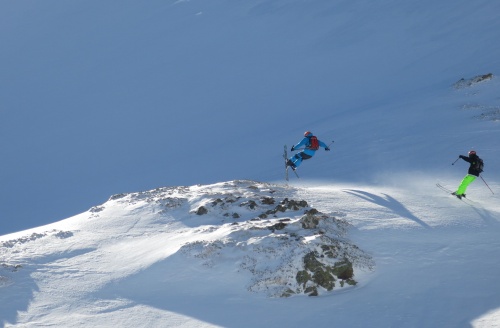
x=311 y=143
x=475 y=168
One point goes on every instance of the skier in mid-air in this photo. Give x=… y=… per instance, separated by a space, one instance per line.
x=311 y=143
x=475 y=168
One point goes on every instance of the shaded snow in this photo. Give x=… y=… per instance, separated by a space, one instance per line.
x=100 y=100
x=144 y=260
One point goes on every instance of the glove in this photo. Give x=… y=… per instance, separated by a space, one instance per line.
x=461 y=156
x=327 y=149
x=293 y=148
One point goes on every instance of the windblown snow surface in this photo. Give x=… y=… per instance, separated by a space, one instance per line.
x=96 y=98
x=153 y=259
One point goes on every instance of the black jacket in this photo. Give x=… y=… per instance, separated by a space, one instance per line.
x=474 y=161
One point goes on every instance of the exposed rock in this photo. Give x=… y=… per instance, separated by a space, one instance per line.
x=303 y=277
x=251 y=204
x=318 y=274
x=311 y=262
x=34 y=236
x=267 y=200
x=201 y=210
x=343 y=270
x=323 y=278
x=330 y=251
x=463 y=83
x=312 y=211
x=289 y=248
x=489 y=114
x=217 y=202
x=12 y=268
x=117 y=196
x=288 y=293
x=311 y=291
x=277 y=226
x=96 y=209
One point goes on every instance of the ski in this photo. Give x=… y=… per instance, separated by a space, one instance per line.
x=285 y=155
x=444 y=188
x=450 y=192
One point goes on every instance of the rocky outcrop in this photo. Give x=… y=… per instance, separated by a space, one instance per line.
x=465 y=83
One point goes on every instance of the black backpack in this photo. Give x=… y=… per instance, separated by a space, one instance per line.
x=479 y=165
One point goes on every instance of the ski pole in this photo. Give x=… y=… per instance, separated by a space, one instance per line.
x=328 y=147
x=487 y=185
x=455 y=161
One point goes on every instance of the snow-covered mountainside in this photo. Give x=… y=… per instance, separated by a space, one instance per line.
x=205 y=255
x=100 y=98
x=281 y=245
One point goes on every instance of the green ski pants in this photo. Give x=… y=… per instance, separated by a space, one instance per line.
x=465 y=183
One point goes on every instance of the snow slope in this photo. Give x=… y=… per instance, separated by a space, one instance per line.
x=95 y=109
x=99 y=99
x=145 y=259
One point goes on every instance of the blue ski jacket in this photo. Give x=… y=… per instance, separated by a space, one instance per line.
x=305 y=142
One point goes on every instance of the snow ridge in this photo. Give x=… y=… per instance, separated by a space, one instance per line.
x=254 y=227
x=282 y=246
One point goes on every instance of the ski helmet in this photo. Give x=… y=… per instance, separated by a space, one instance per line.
x=472 y=152
x=308 y=134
